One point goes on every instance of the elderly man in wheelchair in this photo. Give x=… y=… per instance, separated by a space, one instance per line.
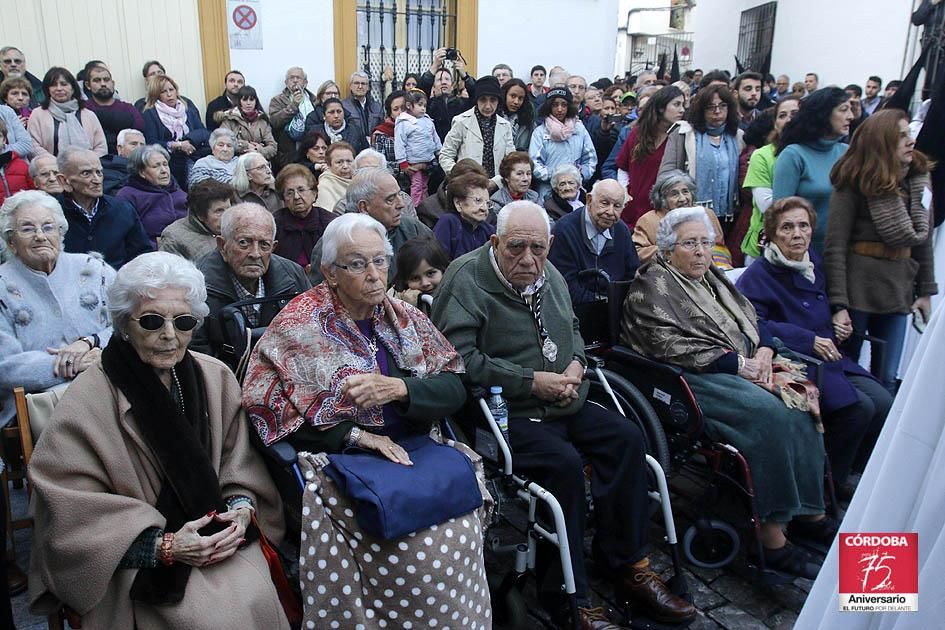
x=509 y=315
x=682 y=310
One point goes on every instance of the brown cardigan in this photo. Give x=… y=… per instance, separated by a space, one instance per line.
x=866 y=283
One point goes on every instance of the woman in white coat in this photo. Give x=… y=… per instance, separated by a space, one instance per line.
x=560 y=139
x=479 y=133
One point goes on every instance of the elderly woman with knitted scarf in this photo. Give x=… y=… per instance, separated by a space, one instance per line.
x=62 y=121
x=681 y=310
x=561 y=139
x=174 y=122
x=345 y=366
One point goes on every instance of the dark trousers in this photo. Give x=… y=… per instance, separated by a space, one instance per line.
x=550 y=453
x=850 y=433
x=6 y=612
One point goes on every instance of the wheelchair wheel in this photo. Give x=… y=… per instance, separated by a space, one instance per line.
x=638 y=409
x=510 y=611
x=711 y=544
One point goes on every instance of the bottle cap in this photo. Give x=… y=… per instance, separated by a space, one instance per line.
x=495 y=389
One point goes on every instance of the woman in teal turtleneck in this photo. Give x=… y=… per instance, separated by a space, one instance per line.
x=807 y=150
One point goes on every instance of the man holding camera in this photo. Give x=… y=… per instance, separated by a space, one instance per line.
x=438 y=82
x=287 y=112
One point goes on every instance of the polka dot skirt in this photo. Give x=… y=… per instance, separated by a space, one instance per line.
x=433 y=578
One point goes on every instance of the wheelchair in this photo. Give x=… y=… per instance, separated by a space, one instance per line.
x=699 y=467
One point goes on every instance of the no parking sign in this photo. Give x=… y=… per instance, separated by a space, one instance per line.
x=243 y=24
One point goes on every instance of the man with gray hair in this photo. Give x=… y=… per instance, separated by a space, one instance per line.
x=367 y=159
x=97 y=222
x=287 y=113
x=509 y=315
x=13 y=64
x=375 y=192
x=361 y=106
x=243 y=267
x=115 y=166
x=594 y=237
x=44 y=171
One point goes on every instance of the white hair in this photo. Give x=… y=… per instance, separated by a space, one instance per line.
x=566 y=169
x=666 y=231
x=240 y=181
x=299 y=68
x=364 y=186
x=367 y=153
x=34 y=163
x=26 y=198
x=139 y=158
x=341 y=231
x=358 y=74
x=502 y=220
x=233 y=214
x=123 y=135
x=71 y=152
x=623 y=190
x=221 y=132
x=148 y=273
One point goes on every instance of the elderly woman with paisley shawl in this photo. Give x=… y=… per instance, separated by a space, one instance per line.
x=682 y=310
x=344 y=365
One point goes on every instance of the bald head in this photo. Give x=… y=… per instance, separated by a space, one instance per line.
x=605 y=202
x=243 y=213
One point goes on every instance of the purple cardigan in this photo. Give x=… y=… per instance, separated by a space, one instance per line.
x=796 y=311
x=157 y=206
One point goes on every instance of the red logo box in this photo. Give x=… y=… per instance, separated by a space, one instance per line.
x=879 y=572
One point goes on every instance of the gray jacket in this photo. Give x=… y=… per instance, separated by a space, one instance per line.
x=18 y=138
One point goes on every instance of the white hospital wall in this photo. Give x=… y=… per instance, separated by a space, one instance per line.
x=576 y=34
x=294 y=34
x=843 y=41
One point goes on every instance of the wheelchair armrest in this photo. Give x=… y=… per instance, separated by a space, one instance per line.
x=281 y=453
x=818 y=366
x=877 y=349
x=627 y=355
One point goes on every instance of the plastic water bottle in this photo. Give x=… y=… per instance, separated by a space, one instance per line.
x=500 y=411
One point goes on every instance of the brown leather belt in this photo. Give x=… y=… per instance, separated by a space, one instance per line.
x=880 y=250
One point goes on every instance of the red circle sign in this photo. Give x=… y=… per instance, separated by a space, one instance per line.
x=244 y=17
x=685 y=51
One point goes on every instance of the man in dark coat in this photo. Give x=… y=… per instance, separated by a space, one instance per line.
x=233 y=81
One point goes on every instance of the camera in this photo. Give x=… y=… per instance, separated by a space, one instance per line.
x=452 y=54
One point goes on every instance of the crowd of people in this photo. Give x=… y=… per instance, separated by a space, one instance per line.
x=331 y=217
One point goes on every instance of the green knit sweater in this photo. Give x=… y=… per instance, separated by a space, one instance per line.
x=495 y=331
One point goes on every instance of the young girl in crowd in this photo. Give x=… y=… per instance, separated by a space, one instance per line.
x=416 y=143
x=421 y=263
x=17 y=93
x=463 y=227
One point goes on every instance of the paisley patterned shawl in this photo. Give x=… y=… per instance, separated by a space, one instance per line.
x=297 y=369
x=690 y=324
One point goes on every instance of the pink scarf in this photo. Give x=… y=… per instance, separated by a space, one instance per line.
x=297 y=369
x=174 y=118
x=560 y=131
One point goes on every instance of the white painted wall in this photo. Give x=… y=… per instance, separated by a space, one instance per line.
x=843 y=41
x=576 y=34
x=294 y=34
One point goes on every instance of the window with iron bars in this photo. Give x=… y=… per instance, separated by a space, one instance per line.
x=755 y=36
x=400 y=36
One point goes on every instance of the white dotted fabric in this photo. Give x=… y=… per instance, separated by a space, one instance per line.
x=433 y=578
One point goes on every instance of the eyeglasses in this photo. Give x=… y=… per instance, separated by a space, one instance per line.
x=358 y=267
x=692 y=244
x=261 y=166
x=30 y=231
x=720 y=107
x=292 y=192
x=153 y=321
x=12 y=61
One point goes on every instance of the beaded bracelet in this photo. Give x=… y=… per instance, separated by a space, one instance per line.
x=167 y=558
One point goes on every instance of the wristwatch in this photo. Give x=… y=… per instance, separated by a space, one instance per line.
x=354 y=437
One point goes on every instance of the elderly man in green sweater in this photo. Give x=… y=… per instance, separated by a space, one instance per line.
x=508 y=312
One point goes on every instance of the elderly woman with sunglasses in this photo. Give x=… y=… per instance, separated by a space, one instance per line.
x=151 y=442
x=53 y=320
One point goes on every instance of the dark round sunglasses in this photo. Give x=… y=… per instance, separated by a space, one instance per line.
x=154 y=322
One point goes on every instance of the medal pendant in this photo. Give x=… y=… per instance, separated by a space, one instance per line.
x=549 y=349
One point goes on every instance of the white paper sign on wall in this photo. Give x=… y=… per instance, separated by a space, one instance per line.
x=243 y=24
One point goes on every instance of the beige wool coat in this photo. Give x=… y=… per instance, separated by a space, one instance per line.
x=95 y=484
x=258 y=131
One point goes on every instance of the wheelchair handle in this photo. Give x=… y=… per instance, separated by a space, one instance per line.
x=591 y=274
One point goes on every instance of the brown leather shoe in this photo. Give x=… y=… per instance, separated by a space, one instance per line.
x=16 y=579
x=595 y=619
x=646 y=593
